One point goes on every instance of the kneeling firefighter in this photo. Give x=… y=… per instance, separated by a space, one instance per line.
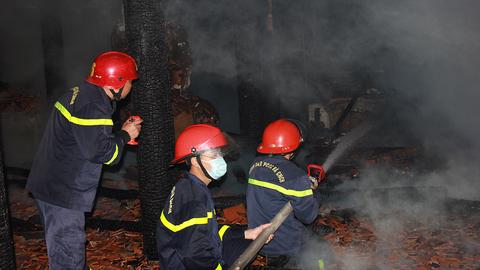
x=188 y=236
x=275 y=180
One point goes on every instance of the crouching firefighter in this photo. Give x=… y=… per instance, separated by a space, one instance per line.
x=77 y=141
x=188 y=236
x=275 y=180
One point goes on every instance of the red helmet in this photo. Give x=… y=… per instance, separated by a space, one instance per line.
x=113 y=69
x=197 y=138
x=280 y=137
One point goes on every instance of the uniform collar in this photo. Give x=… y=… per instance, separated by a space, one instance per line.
x=104 y=95
x=196 y=180
x=276 y=157
x=100 y=90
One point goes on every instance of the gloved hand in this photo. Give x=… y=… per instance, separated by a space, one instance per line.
x=133 y=127
x=316 y=173
x=314 y=182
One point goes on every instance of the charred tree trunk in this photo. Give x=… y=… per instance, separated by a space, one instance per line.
x=52 y=43
x=7 y=251
x=145 y=26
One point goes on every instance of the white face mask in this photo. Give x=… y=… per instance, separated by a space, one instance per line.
x=218 y=168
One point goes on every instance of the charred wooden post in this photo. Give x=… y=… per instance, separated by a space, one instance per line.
x=7 y=250
x=145 y=27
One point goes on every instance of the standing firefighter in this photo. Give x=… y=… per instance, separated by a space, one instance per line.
x=77 y=141
x=188 y=236
x=275 y=180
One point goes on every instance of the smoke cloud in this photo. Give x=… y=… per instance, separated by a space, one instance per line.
x=422 y=52
x=435 y=64
x=433 y=68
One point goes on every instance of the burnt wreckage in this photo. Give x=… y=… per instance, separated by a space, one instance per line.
x=187 y=108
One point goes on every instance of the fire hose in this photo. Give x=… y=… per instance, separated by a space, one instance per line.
x=258 y=243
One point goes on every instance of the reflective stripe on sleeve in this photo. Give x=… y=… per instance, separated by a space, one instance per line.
x=185 y=224
x=222 y=231
x=290 y=192
x=82 y=121
x=115 y=154
x=321 y=264
x=219 y=267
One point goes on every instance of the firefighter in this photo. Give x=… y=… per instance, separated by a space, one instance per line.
x=188 y=236
x=77 y=141
x=273 y=181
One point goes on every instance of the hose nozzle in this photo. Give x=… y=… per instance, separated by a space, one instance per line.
x=316 y=171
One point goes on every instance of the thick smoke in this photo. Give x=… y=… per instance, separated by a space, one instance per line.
x=436 y=63
x=215 y=30
x=434 y=67
x=423 y=51
x=314 y=46
x=426 y=52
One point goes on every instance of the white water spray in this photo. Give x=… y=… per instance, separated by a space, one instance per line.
x=345 y=143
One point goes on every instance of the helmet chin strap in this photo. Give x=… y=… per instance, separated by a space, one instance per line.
x=116 y=96
x=199 y=161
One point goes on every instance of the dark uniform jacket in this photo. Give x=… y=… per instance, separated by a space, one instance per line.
x=273 y=181
x=187 y=233
x=77 y=141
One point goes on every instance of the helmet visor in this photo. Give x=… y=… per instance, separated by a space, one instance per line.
x=222 y=145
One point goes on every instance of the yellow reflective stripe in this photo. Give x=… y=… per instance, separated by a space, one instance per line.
x=321 y=265
x=222 y=231
x=114 y=156
x=81 y=121
x=183 y=225
x=290 y=192
x=219 y=267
